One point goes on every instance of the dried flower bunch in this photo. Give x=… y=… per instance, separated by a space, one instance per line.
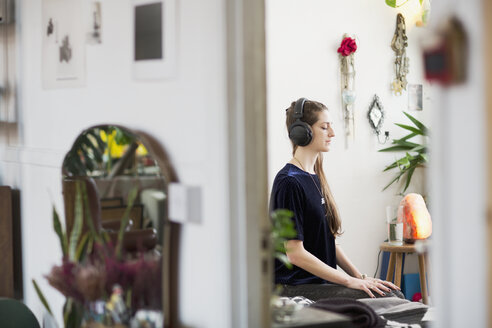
x=94 y=278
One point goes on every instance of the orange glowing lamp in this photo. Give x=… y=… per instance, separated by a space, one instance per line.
x=416 y=218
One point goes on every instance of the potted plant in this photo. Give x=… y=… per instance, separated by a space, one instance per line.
x=102 y=285
x=415 y=153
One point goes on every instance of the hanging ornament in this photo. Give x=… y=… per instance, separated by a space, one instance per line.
x=399 y=45
x=376 y=118
x=346 y=54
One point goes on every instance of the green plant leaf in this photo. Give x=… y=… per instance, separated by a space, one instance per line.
x=284 y=259
x=58 y=229
x=124 y=221
x=394 y=148
x=391 y=3
x=82 y=247
x=72 y=313
x=105 y=237
x=410 y=128
x=41 y=297
x=122 y=137
x=417 y=123
x=391 y=166
x=408 y=144
x=408 y=136
x=419 y=149
x=409 y=177
x=403 y=162
x=88 y=215
x=77 y=225
x=88 y=160
x=397 y=178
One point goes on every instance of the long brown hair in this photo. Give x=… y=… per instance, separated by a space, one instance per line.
x=310 y=116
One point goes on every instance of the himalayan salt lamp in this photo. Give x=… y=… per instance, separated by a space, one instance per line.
x=416 y=219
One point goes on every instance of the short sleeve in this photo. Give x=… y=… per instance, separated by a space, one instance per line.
x=289 y=195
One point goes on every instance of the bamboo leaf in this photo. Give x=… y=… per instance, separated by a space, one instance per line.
x=418 y=124
x=410 y=128
x=408 y=144
x=41 y=297
x=409 y=177
x=397 y=178
x=58 y=229
x=124 y=221
x=391 y=166
x=395 y=148
x=409 y=136
x=77 y=225
x=419 y=148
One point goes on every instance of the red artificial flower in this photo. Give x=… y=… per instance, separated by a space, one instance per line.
x=347 y=47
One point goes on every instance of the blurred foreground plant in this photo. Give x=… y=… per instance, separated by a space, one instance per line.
x=282 y=230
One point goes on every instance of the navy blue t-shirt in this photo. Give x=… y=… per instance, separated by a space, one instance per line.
x=294 y=189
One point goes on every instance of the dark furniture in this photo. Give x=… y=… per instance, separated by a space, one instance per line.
x=10 y=244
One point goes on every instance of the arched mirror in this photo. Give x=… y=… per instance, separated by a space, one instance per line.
x=126 y=175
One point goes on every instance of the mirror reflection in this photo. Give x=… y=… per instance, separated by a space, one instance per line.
x=116 y=161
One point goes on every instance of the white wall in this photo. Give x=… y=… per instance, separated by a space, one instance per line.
x=302 y=61
x=187 y=114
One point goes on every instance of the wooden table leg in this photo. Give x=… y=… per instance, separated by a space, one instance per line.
x=399 y=261
x=391 y=267
x=423 y=279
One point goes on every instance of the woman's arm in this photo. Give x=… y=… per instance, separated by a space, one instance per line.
x=300 y=257
x=344 y=262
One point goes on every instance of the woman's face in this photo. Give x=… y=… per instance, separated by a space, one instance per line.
x=322 y=132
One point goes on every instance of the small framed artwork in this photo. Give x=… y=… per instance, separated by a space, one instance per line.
x=415 y=97
x=94 y=23
x=154 y=39
x=63 y=44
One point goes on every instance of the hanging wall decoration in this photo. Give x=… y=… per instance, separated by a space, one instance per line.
x=376 y=118
x=346 y=53
x=399 y=44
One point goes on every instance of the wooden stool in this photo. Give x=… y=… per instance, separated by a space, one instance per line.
x=395 y=265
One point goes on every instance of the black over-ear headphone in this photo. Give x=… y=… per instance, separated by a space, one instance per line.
x=300 y=132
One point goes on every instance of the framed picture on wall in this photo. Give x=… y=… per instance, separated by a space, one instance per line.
x=63 y=44
x=154 y=39
x=415 y=101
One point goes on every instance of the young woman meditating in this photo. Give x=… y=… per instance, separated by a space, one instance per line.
x=301 y=187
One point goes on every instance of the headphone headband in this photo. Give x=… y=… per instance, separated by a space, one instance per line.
x=299 y=108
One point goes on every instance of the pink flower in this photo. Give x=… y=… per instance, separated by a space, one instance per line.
x=347 y=47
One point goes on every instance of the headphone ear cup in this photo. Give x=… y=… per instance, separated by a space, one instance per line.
x=300 y=133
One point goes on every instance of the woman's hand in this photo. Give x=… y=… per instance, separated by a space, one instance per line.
x=370 y=285
x=384 y=282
